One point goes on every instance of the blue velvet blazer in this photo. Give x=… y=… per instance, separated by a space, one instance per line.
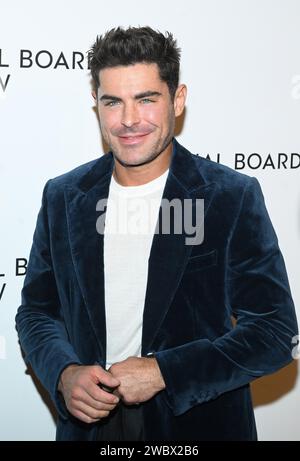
x=193 y=292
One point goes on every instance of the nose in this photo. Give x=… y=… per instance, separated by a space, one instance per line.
x=130 y=115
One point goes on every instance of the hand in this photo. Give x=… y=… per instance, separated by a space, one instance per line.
x=140 y=379
x=83 y=397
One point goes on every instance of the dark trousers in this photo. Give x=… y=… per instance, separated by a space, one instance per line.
x=124 y=423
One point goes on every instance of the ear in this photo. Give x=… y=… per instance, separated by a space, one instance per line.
x=94 y=94
x=179 y=99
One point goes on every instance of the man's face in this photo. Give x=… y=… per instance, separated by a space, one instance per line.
x=137 y=115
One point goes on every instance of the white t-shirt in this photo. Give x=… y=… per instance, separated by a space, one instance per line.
x=131 y=217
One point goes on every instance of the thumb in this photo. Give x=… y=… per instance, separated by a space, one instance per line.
x=107 y=378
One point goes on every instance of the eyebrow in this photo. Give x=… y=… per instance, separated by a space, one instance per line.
x=145 y=94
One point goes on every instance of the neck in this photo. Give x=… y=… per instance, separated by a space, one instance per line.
x=141 y=174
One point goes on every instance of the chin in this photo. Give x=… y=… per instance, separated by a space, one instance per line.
x=132 y=163
x=132 y=160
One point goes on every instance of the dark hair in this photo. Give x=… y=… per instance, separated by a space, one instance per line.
x=120 y=47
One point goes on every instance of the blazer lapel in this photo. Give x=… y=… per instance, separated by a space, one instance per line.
x=169 y=252
x=87 y=244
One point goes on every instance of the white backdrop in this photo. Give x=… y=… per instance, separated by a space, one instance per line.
x=240 y=60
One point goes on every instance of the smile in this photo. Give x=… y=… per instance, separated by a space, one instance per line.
x=135 y=139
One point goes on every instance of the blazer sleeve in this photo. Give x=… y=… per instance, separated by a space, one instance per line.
x=39 y=323
x=258 y=295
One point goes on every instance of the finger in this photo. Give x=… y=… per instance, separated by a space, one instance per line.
x=96 y=393
x=83 y=417
x=84 y=397
x=106 y=378
x=90 y=412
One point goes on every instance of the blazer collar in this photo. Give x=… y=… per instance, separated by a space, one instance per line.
x=169 y=253
x=182 y=167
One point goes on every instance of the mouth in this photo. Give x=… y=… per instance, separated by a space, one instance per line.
x=133 y=139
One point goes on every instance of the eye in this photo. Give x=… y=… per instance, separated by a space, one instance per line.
x=146 y=100
x=111 y=103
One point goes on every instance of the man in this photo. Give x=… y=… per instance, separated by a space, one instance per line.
x=130 y=330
